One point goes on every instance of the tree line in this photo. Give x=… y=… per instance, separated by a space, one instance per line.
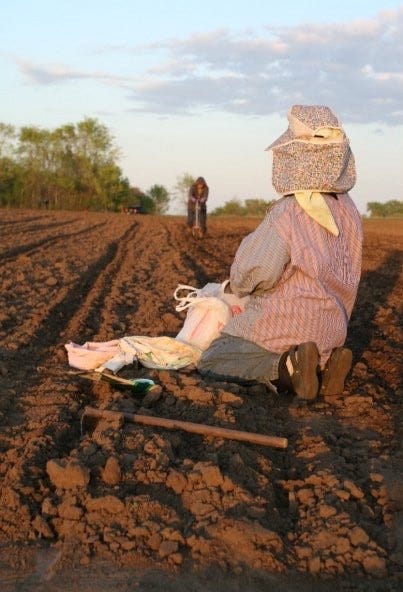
x=258 y=207
x=389 y=209
x=74 y=166
x=249 y=207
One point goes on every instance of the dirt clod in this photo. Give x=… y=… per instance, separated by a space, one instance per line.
x=67 y=474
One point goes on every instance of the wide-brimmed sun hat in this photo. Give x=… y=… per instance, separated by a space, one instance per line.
x=313 y=153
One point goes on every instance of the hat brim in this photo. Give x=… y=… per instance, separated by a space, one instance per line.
x=285 y=138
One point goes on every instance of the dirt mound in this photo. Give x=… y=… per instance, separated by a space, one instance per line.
x=109 y=496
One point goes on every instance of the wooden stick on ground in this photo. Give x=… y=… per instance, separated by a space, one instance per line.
x=187 y=426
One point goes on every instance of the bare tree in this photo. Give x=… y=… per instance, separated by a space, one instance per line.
x=183 y=184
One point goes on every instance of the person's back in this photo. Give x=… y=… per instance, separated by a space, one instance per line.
x=314 y=296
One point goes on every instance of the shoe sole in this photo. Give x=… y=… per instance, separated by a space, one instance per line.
x=335 y=375
x=305 y=378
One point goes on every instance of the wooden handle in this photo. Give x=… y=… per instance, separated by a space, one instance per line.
x=187 y=426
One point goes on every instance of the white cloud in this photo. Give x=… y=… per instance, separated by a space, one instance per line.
x=356 y=68
x=369 y=71
x=57 y=73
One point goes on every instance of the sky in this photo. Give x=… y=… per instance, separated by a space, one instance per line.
x=204 y=87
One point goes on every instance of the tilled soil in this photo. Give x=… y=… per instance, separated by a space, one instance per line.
x=113 y=505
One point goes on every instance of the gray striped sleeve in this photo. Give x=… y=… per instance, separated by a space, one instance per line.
x=260 y=261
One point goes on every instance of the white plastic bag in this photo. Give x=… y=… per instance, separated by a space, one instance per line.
x=204 y=322
x=236 y=304
x=207 y=314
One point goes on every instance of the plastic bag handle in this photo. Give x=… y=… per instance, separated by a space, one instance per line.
x=224 y=285
x=188 y=300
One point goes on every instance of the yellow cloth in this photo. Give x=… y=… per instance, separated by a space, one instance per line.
x=314 y=204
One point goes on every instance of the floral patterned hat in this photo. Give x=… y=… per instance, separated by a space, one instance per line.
x=313 y=153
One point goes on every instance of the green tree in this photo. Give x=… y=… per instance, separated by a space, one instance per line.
x=72 y=166
x=7 y=140
x=233 y=207
x=391 y=208
x=67 y=185
x=160 y=196
x=10 y=182
x=251 y=207
x=256 y=207
x=147 y=204
x=9 y=169
x=94 y=156
x=35 y=158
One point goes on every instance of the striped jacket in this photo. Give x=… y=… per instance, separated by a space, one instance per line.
x=302 y=280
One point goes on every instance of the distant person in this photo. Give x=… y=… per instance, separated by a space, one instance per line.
x=301 y=268
x=197 y=197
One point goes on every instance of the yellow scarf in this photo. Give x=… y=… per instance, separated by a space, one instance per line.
x=314 y=204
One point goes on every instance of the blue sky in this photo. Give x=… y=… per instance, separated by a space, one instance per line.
x=203 y=87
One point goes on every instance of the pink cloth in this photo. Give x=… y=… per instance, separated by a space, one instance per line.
x=91 y=355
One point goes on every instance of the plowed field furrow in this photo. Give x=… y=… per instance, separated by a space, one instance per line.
x=179 y=242
x=78 y=313
x=14 y=219
x=40 y=282
x=8 y=238
x=210 y=258
x=144 y=288
x=88 y=320
x=328 y=506
x=193 y=261
x=43 y=343
x=45 y=243
x=216 y=251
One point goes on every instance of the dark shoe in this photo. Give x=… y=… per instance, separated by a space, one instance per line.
x=305 y=361
x=304 y=381
x=335 y=372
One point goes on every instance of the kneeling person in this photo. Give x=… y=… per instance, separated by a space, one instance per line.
x=301 y=268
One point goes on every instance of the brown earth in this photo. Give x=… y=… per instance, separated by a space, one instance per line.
x=127 y=507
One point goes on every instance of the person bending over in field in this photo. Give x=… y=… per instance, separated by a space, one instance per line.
x=197 y=196
x=301 y=268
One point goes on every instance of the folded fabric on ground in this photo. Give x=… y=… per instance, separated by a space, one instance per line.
x=91 y=355
x=208 y=310
x=160 y=353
